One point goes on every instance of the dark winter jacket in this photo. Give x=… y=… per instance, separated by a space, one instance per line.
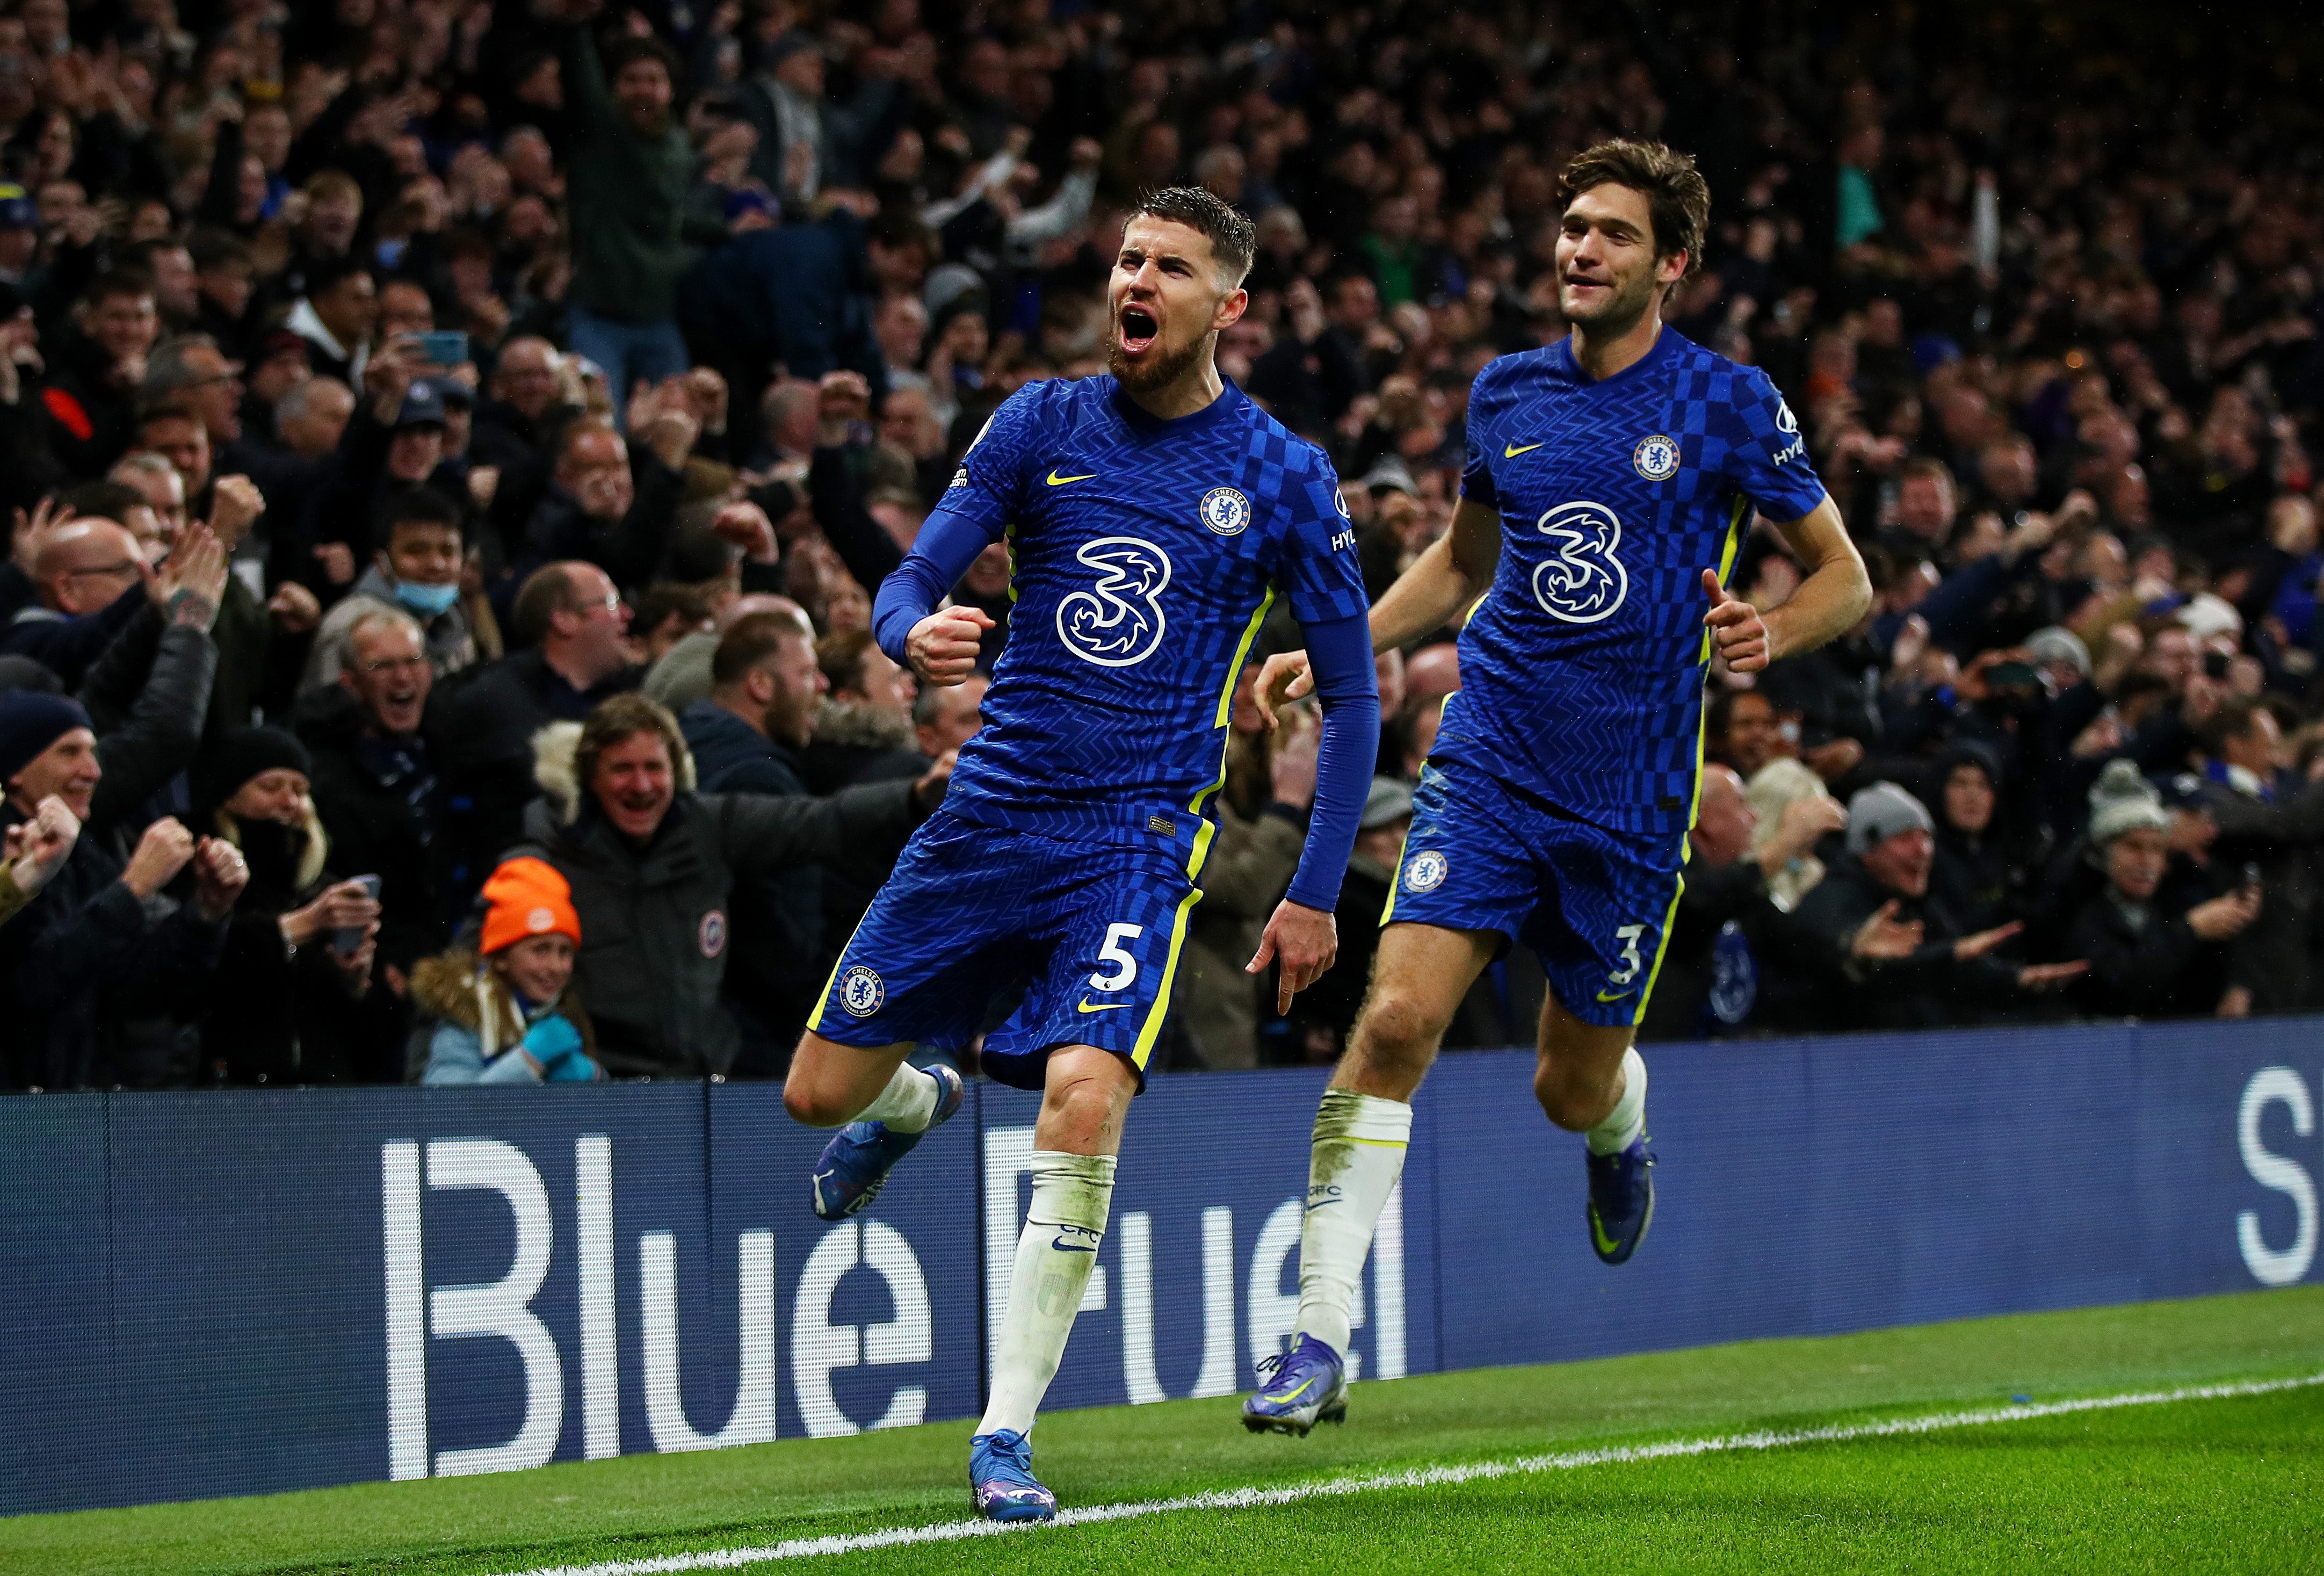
x=655 y=919
x=378 y=800
x=84 y=958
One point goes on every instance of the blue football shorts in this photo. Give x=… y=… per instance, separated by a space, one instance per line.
x=1091 y=930
x=1595 y=905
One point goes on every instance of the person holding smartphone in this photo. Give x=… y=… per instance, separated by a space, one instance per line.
x=295 y=999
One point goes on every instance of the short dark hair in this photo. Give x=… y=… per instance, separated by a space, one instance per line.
x=660 y=600
x=840 y=655
x=110 y=501
x=1678 y=199
x=628 y=51
x=327 y=275
x=417 y=506
x=1234 y=239
x=547 y=592
x=116 y=281
x=173 y=407
x=749 y=644
x=212 y=248
x=2235 y=719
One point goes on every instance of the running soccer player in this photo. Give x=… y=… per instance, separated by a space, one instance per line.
x=1609 y=476
x=1152 y=517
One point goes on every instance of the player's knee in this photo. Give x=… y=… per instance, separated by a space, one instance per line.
x=1080 y=1109
x=809 y=1105
x=1398 y=1034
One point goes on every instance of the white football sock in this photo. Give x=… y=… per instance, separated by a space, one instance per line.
x=1358 y=1154
x=1627 y=1119
x=1071 y=1196
x=908 y=1102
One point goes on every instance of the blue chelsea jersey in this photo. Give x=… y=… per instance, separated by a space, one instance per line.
x=1581 y=671
x=1144 y=554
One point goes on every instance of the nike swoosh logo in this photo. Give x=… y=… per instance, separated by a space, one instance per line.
x=1318 y=1204
x=1061 y=1245
x=1105 y=1006
x=1287 y=1400
x=1057 y=481
x=1605 y=1244
x=1511 y=451
x=1616 y=996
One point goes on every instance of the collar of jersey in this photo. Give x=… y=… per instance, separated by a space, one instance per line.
x=1666 y=343
x=1140 y=417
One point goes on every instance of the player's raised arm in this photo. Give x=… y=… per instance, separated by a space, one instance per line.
x=1449 y=575
x=1828 y=604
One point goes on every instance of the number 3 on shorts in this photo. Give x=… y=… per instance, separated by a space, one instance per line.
x=1125 y=967
x=1631 y=963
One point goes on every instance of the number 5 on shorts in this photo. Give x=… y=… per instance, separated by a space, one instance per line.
x=1125 y=967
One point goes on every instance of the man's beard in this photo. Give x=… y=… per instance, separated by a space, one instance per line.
x=1622 y=308
x=1160 y=368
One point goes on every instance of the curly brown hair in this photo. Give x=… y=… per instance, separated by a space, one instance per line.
x=1678 y=199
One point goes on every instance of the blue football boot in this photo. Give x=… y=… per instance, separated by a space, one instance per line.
x=1622 y=1200
x=1309 y=1385
x=1000 y=1477
x=855 y=1164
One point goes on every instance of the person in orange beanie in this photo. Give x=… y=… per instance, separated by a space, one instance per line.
x=508 y=1012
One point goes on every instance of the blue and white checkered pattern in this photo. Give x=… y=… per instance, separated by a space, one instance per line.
x=1581 y=673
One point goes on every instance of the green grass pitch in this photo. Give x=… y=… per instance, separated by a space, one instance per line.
x=2231 y=1484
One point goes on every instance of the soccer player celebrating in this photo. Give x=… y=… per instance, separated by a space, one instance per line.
x=1608 y=478
x=1153 y=517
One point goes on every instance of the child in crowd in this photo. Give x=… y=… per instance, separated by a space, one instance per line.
x=508 y=1013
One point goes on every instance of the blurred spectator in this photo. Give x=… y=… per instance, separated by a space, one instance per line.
x=97 y=948
x=572 y=626
x=653 y=864
x=508 y=1012
x=1262 y=824
x=375 y=784
x=1326 y=1011
x=36 y=849
x=863 y=732
x=287 y=1002
x=1747 y=873
x=748 y=738
x=944 y=719
x=2153 y=951
x=417 y=571
x=1873 y=949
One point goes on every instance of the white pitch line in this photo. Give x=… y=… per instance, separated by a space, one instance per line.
x=946 y=1532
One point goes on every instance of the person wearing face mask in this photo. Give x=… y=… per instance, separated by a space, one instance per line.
x=417 y=571
x=507 y=1012
x=293 y=999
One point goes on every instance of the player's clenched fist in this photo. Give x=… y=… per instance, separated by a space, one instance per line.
x=944 y=645
x=1283 y=679
x=1303 y=942
x=1736 y=626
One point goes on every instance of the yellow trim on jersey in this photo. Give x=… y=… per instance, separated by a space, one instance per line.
x=1202 y=853
x=1226 y=708
x=1152 y=1031
x=1009 y=536
x=1726 y=564
x=1234 y=669
x=1670 y=918
x=815 y=1019
x=1388 y=915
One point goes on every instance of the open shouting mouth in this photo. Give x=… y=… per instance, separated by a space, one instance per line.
x=1138 y=331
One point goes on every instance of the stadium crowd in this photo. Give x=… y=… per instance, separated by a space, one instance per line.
x=451 y=448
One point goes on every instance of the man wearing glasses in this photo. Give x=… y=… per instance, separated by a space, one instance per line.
x=374 y=780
